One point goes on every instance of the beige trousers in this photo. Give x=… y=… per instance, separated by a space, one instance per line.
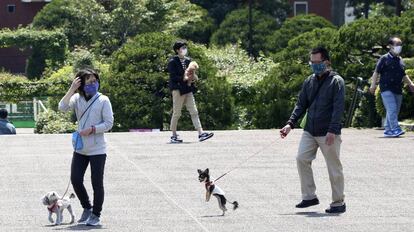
x=307 y=153
x=189 y=102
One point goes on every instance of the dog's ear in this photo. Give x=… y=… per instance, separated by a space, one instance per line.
x=199 y=171
x=45 y=200
x=206 y=171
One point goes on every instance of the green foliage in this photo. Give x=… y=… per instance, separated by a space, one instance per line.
x=365 y=115
x=235 y=28
x=138 y=71
x=294 y=27
x=52 y=122
x=80 y=20
x=243 y=73
x=81 y=58
x=218 y=9
x=47 y=47
x=189 y=21
x=103 y=26
x=359 y=44
x=276 y=95
x=298 y=48
x=14 y=88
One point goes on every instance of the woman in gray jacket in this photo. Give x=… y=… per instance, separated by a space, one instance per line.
x=97 y=118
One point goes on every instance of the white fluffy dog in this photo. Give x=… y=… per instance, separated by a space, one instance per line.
x=56 y=204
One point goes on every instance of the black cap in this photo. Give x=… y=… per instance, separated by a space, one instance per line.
x=179 y=44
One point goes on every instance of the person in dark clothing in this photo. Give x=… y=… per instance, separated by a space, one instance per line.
x=322 y=97
x=391 y=70
x=6 y=128
x=183 y=92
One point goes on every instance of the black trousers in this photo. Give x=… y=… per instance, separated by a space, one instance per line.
x=79 y=165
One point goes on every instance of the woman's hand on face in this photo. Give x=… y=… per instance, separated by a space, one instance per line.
x=75 y=84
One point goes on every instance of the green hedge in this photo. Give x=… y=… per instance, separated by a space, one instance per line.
x=53 y=122
x=48 y=48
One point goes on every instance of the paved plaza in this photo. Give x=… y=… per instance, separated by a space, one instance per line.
x=152 y=185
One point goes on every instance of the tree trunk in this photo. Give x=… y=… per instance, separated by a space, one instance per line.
x=398 y=8
x=366 y=8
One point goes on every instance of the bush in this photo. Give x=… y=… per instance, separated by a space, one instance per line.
x=235 y=28
x=276 y=95
x=243 y=73
x=81 y=20
x=189 y=21
x=198 y=31
x=52 y=122
x=137 y=86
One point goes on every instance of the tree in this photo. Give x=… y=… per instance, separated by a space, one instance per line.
x=48 y=48
x=104 y=26
x=218 y=9
x=243 y=73
x=235 y=28
x=128 y=18
x=364 y=8
x=80 y=20
x=189 y=21
x=293 y=27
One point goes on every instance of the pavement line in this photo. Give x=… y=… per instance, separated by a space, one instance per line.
x=160 y=188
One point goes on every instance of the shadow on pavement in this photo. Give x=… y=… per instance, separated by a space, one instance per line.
x=313 y=214
x=211 y=216
x=81 y=227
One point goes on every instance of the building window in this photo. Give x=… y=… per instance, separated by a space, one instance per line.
x=11 y=8
x=300 y=7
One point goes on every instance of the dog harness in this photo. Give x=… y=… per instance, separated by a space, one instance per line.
x=216 y=189
x=53 y=207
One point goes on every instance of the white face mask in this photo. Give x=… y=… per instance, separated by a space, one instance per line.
x=397 y=49
x=183 y=51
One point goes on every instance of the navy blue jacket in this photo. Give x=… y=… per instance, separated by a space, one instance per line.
x=6 y=128
x=176 y=71
x=392 y=70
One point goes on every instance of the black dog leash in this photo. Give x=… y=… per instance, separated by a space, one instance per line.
x=244 y=161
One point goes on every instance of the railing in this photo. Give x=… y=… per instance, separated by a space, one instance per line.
x=38 y=106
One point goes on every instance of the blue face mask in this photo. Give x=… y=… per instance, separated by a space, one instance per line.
x=91 y=89
x=318 y=69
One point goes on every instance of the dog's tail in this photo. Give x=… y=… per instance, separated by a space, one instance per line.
x=235 y=205
x=72 y=195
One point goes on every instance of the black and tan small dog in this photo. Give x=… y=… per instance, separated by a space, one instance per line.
x=211 y=188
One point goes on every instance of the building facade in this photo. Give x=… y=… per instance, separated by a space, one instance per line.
x=332 y=10
x=15 y=13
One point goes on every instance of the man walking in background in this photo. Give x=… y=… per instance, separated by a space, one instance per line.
x=391 y=70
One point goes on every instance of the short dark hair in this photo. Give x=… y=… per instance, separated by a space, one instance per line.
x=3 y=113
x=391 y=40
x=178 y=44
x=83 y=74
x=323 y=51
